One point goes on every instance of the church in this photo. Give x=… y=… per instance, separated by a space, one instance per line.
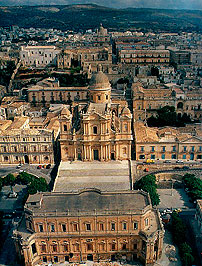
x=99 y=130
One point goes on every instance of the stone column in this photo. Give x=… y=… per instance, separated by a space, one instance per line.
x=90 y=152
x=101 y=153
x=75 y=158
x=109 y=152
x=84 y=152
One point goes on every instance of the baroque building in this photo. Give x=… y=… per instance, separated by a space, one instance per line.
x=99 y=130
x=20 y=144
x=166 y=143
x=62 y=227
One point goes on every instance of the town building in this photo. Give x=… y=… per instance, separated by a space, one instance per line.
x=147 y=99
x=88 y=58
x=20 y=144
x=144 y=56
x=61 y=227
x=44 y=96
x=166 y=143
x=98 y=130
x=39 y=56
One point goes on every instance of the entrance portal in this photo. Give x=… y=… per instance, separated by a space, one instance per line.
x=26 y=159
x=96 y=156
x=90 y=257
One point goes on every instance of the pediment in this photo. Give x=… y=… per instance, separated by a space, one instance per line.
x=192 y=139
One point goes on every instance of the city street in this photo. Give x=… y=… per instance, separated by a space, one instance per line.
x=31 y=169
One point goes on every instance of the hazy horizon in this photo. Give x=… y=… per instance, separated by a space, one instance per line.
x=161 y=4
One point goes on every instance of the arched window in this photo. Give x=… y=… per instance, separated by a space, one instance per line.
x=94 y=130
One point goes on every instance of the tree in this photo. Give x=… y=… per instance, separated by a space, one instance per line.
x=1 y=184
x=24 y=178
x=37 y=184
x=148 y=184
x=9 y=180
x=188 y=259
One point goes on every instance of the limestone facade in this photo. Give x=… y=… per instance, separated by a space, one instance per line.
x=58 y=229
x=39 y=95
x=20 y=144
x=144 y=57
x=166 y=144
x=99 y=130
x=146 y=100
x=87 y=58
x=39 y=56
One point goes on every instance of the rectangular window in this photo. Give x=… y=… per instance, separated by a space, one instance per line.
x=44 y=259
x=54 y=247
x=65 y=247
x=200 y=148
x=34 y=248
x=55 y=258
x=135 y=246
x=113 y=247
x=89 y=247
x=101 y=227
x=142 y=148
x=124 y=247
x=112 y=226
x=174 y=148
x=88 y=227
x=185 y=148
x=52 y=228
x=75 y=227
x=43 y=248
x=64 y=229
x=192 y=148
x=173 y=156
x=135 y=225
x=153 y=156
x=163 y=148
x=124 y=226
x=40 y=227
x=184 y=156
x=152 y=148
x=163 y=156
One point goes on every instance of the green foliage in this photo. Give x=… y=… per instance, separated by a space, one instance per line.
x=194 y=185
x=178 y=229
x=9 y=180
x=167 y=116
x=37 y=184
x=148 y=184
x=188 y=259
x=179 y=236
x=1 y=183
x=24 y=178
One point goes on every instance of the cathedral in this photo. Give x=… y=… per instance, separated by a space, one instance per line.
x=99 y=130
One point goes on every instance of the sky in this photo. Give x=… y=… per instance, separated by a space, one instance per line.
x=167 y=4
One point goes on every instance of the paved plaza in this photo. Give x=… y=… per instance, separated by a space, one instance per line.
x=173 y=198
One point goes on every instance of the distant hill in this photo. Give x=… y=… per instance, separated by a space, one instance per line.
x=89 y=16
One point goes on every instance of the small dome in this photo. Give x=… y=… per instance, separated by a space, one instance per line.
x=99 y=81
x=125 y=111
x=66 y=112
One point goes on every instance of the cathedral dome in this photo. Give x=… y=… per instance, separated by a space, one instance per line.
x=99 y=81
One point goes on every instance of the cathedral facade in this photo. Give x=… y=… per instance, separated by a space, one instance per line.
x=98 y=130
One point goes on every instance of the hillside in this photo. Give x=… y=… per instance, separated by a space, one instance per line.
x=82 y=17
